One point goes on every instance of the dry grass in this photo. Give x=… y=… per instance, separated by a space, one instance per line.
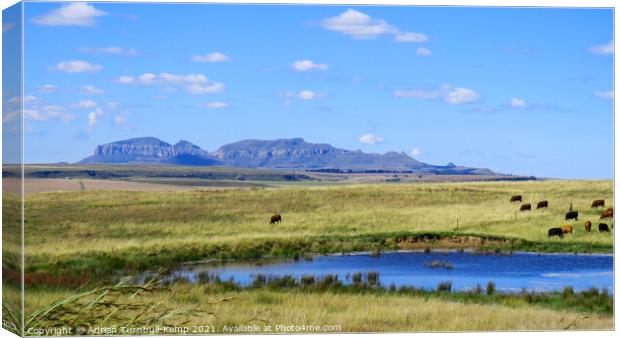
x=355 y=312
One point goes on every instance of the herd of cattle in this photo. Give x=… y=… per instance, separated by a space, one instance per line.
x=571 y=214
x=559 y=231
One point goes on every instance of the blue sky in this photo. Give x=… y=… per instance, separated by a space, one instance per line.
x=516 y=90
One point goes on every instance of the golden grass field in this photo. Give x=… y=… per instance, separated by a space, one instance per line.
x=349 y=312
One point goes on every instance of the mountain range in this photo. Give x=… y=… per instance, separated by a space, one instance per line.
x=293 y=154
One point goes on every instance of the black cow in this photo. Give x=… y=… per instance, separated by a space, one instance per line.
x=542 y=204
x=555 y=232
x=572 y=215
x=525 y=207
x=275 y=219
x=603 y=227
x=515 y=198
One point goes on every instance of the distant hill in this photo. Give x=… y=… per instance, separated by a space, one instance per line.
x=293 y=153
x=150 y=150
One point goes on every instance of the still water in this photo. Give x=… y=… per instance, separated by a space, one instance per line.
x=510 y=273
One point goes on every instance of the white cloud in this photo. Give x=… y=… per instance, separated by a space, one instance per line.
x=34 y=115
x=56 y=112
x=48 y=88
x=88 y=89
x=92 y=118
x=126 y=79
x=84 y=104
x=517 y=103
x=410 y=37
x=358 y=25
x=301 y=95
x=607 y=95
x=423 y=94
x=37 y=110
x=77 y=66
x=461 y=95
x=306 y=95
x=73 y=14
x=27 y=99
x=112 y=105
x=416 y=152
x=7 y=26
x=604 y=49
x=446 y=92
x=423 y=51
x=198 y=88
x=110 y=50
x=120 y=120
x=361 y=26
x=211 y=58
x=194 y=83
x=215 y=105
x=370 y=139
x=306 y=65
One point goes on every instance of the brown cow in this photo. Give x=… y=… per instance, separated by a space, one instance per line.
x=567 y=229
x=609 y=213
x=515 y=198
x=587 y=226
x=275 y=219
x=542 y=204
x=598 y=203
x=525 y=207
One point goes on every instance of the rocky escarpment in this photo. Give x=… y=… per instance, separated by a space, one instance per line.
x=150 y=150
x=292 y=154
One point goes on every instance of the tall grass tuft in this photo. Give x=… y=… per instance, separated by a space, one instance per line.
x=115 y=305
x=490 y=288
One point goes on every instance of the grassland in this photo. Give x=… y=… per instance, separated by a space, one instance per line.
x=74 y=238
x=91 y=231
x=348 y=311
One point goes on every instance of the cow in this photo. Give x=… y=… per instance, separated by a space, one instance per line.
x=515 y=198
x=567 y=229
x=542 y=204
x=571 y=215
x=608 y=213
x=555 y=232
x=602 y=227
x=275 y=219
x=525 y=207
x=598 y=203
x=587 y=226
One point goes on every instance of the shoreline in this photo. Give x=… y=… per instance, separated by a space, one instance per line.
x=99 y=264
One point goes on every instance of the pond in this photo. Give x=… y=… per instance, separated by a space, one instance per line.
x=465 y=270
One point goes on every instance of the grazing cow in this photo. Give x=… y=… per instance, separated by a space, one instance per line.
x=515 y=198
x=602 y=227
x=587 y=226
x=542 y=204
x=525 y=207
x=567 y=229
x=598 y=203
x=275 y=219
x=571 y=215
x=555 y=232
x=608 y=213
